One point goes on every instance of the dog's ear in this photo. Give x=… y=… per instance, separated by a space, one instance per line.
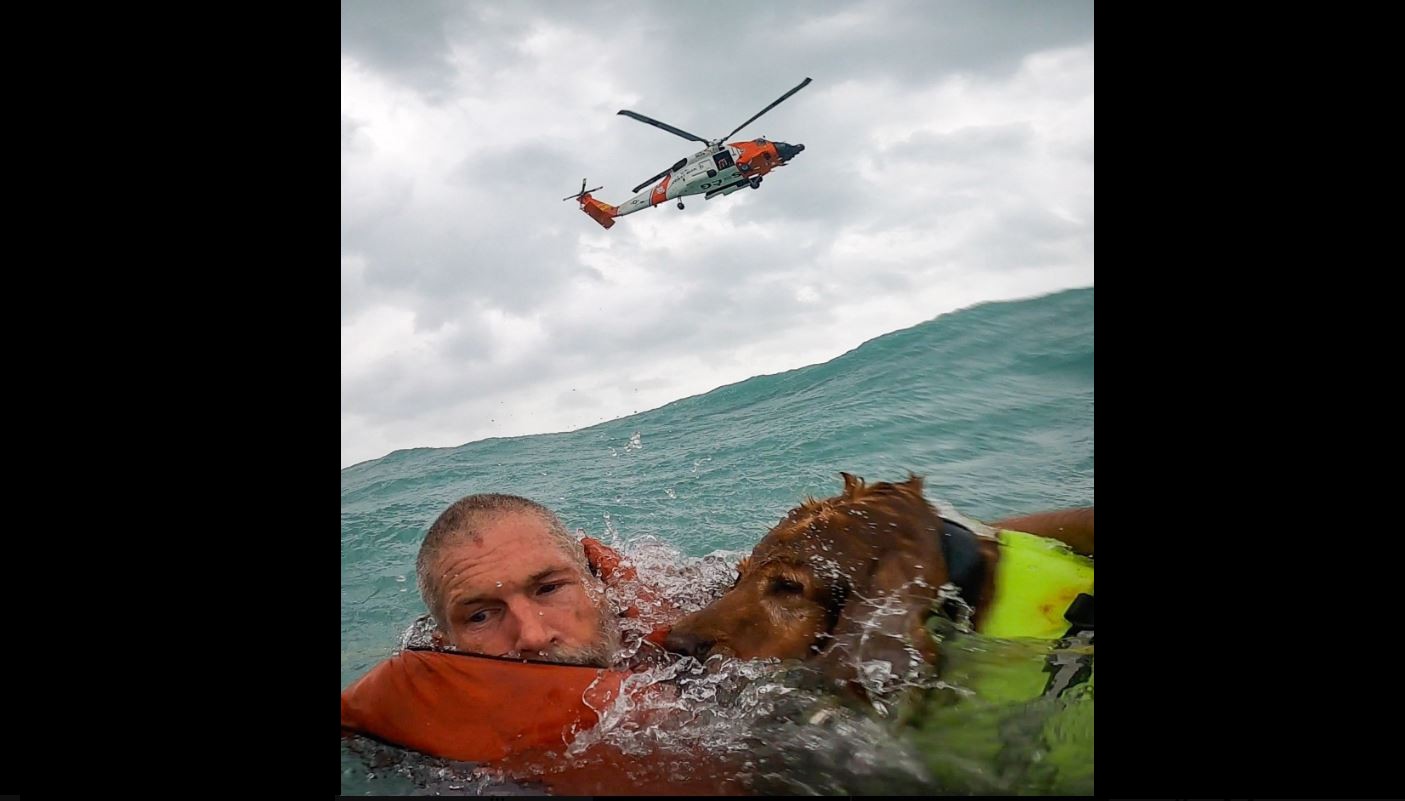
x=852 y=484
x=884 y=619
x=914 y=483
x=742 y=566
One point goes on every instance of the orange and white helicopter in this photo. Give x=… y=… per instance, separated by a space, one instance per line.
x=718 y=169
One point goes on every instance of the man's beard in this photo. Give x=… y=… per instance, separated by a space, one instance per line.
x=600 y=653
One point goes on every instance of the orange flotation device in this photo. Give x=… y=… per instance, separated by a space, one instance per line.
x=481 y=708
x=615 y=571
x=475 y=708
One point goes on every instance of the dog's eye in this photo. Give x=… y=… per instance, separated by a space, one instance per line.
x=782 y=586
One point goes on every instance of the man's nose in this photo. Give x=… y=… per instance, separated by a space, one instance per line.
x=534 y=634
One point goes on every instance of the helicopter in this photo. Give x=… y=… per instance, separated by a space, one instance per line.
x=717 y=169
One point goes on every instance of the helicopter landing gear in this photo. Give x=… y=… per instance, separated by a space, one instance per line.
x=680 y=205
x=756 y=182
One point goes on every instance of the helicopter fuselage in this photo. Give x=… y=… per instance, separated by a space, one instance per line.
x=714 y=170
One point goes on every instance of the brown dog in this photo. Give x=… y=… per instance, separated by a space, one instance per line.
x=853 y=579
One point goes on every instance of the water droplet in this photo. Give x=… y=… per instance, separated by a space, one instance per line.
x=499 y=583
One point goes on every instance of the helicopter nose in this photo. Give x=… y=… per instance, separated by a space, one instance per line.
x=787 y=152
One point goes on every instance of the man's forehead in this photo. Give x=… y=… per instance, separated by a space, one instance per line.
x=508 y=540
x=469 y=570
x=489 y=527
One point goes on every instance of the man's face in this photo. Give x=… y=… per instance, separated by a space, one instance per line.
x=513 y=591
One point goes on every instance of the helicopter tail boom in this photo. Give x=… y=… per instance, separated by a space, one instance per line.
x=598 y=210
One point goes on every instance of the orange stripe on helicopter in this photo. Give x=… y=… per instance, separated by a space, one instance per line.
x=661 y=191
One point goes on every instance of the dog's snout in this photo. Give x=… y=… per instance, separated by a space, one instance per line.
x=689 y=644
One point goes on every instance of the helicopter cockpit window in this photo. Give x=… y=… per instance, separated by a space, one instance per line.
x=723 y=159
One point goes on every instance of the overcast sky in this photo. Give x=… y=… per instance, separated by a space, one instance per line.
x=948 y=161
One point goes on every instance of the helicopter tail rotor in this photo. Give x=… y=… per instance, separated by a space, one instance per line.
x=582 y=194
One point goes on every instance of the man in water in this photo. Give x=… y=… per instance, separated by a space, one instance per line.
x=501 y=576
x=509 y=588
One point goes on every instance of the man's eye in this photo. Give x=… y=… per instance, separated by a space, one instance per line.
x=481 y=616
x=547 y=589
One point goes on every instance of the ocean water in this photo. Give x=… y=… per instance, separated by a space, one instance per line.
x=992 y=404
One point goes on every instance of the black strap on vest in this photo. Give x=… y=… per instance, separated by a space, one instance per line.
x=965 y=565
x=1080 y=614
x=1065 y=668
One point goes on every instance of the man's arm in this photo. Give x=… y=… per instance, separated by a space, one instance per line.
x=1073 y=527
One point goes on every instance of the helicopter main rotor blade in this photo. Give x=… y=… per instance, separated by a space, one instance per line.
x=779 y=100
x=651 y=180
x=665 y=126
